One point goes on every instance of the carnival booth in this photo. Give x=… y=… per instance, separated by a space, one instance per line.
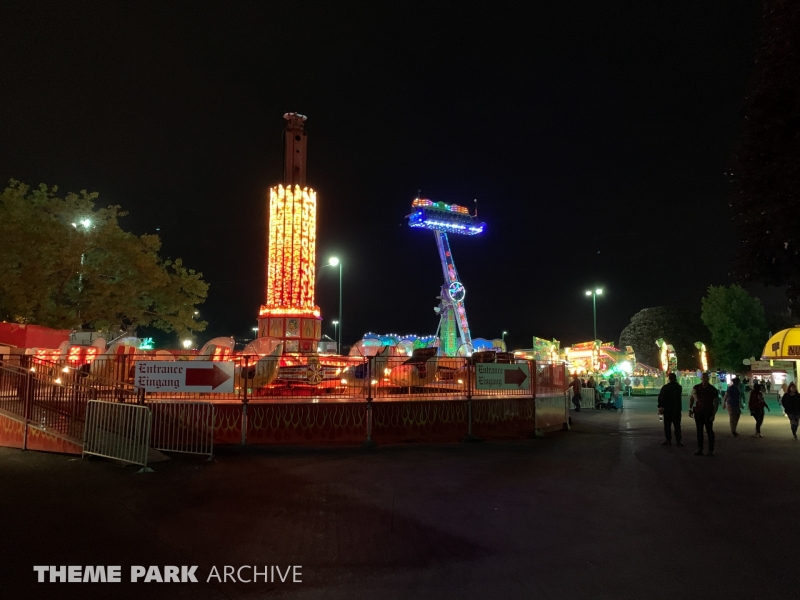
x=779 y=360
x=598 y=357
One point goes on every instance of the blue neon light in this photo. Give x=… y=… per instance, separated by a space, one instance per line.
x=449 y=222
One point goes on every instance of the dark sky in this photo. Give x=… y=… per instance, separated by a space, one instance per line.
x=594 y=135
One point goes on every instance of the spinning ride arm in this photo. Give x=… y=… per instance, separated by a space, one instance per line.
x=452 y=298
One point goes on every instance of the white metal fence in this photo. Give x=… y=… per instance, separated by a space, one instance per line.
x=588 y=397
x=118 y=431
x=181 y=426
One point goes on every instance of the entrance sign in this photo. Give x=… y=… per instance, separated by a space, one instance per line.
x=495 y=376
x=184 y=376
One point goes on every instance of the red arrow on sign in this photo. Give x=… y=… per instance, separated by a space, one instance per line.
x=213 y=377
x=517 y=376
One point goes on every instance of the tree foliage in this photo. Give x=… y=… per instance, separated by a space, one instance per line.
x=681 y=328
x=738 y=325
x=766 y=169
x=66 y=264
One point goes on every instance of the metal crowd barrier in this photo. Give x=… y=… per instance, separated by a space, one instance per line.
x=118 y=431
x=588 y=397
x=183 y=426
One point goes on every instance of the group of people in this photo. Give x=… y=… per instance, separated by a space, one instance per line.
x=616 y=386
x=704 y=403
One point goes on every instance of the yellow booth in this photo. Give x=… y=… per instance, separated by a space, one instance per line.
x=782 y=352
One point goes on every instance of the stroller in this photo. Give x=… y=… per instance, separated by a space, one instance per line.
x=609 y=401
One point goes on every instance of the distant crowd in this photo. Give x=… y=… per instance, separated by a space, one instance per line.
x=605 y=393
x=704 y=403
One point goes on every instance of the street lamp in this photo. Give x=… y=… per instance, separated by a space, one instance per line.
x=335 y=323
x=504 y=335
x=335 y=262
x=86 y=224
x=187 y=344
x=594 y=294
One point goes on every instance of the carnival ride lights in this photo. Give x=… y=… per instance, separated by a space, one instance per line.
x=289 y=314
x=703 y=355
x=291 y=252
x=442 y=219
x=669 y=360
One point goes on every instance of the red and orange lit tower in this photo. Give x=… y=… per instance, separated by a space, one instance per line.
x=289 y=313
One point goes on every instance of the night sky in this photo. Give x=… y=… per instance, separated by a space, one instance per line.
x=595 y=136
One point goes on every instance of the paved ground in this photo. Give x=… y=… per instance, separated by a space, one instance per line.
x=602 y=511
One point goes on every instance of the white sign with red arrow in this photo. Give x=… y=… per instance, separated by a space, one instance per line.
x=501 y=376
x=184 y=376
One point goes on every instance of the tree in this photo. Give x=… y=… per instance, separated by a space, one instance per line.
x=766 y=166
x=681 y=328
x=66 y=264
x=737 y=323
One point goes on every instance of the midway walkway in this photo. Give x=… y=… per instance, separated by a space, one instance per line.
x=602 y=511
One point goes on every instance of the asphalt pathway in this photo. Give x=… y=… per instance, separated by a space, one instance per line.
x=601 y=511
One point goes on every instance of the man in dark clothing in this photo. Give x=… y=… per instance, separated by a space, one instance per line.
x=733 y=401
x=669 y=405
x=704 y=404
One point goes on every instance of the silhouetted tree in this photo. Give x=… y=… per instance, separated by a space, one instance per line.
x=766 y=167
x=65 y=263
x=681 y=328
x=737 y=324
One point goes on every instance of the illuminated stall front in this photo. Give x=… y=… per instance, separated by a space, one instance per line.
x=598 y=357
x=780 y=358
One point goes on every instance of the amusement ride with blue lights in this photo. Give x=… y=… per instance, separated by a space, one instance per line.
x=441 y=218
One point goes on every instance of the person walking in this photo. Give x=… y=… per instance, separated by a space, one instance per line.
x=791 y=405
x=769 y=385
x=757 y=404
x=733 y=403
x=702 y=406
x=576 y=393
x=669 y=406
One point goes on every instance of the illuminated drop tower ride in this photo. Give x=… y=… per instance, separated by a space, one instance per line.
x=454 y=334
x=289 y=313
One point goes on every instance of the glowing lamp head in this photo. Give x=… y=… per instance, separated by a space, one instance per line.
x=599 y=291
x=588 y=293
x=187 y=344
x=334 y=262
x=86 y=223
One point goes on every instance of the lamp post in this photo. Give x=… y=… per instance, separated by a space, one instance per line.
x=335 y=262
x=86 y=224
x=594 y=294
x=335 y=323
x=504 y=336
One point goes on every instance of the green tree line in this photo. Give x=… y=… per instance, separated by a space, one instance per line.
x=66 y=263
